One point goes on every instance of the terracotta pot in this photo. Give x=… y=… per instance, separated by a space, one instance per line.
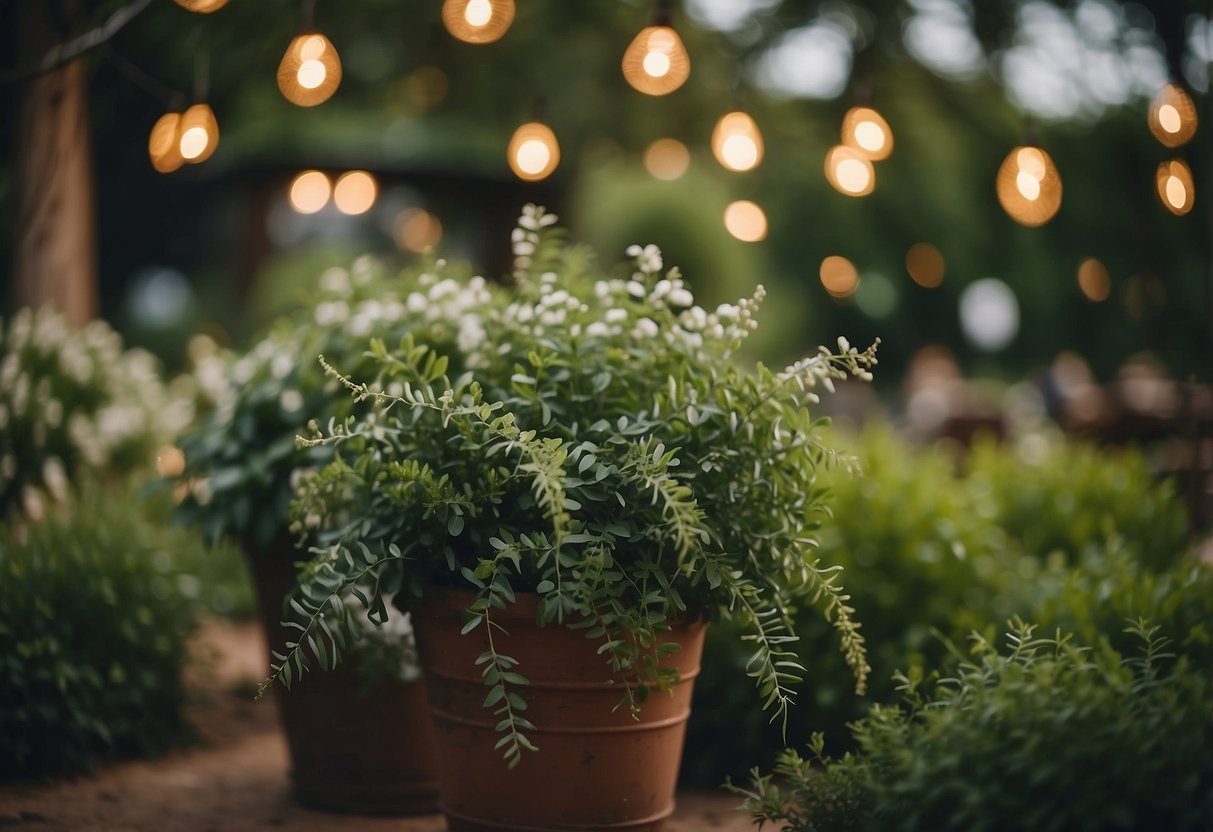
x=353 y=750
x=594 y=769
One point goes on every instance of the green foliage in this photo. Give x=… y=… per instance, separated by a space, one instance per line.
x=74 y=404
x=602 y=450
x=95 y=608
x=1075 y=538
x=242 y=463
x=1044 y=735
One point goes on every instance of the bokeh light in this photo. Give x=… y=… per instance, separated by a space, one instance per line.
x=1176 y=188
x=1093 y=280
x=866 y=130
x=737 y=142
x=478 y=21
x=162 y=143
x=1172 y=116
x=355 y=192
x=746 y=221
x=533 y=152
x=667 y=159
x=310 y=70
x=170 y=461
x=202 y=6
x=656 y=62
x=989 y=314
x=839 y=276
x=197 y=134
x=925 y=265
x=1028 y=186
x=309 y=191
x=416 y=230
x=849 y=171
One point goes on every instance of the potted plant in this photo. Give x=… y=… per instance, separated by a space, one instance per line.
x=241 y=467
x=602 y=476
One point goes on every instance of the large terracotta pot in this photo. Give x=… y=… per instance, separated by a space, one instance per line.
x=595 y=769
x=353 y=749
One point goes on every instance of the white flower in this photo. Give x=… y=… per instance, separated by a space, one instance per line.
x=336 y=280
x=471 y=333
x=281 y=365
x=645 y=328
x=55 y=478
x=597 y=329
x=332 y=312
x=648 y=259
x=290 y=400
x=681 y=297
x=416 y=302
x=615 y=316
x=635 y=288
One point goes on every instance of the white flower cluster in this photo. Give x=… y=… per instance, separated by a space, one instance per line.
x=825 y=366
x=74 y=399
x=525 y=237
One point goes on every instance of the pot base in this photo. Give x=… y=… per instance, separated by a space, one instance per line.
x=460 y=823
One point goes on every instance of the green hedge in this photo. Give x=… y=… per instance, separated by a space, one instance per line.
x=95 y=610
x=1041 y=735
x=1073 y=537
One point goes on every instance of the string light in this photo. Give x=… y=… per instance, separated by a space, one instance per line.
x=746 y=221
x=849 y=171
x=162 y=143
x=197 y=134
x=170 y=461
x=416 y=230
x=925 y=265
x=477 y=21
x=1176 y=188
x=202 y=6
x=355 y=192
x=1029 y=186
x=1093 y=280
x=310 y=70
x=737 y=142
x=1172 y=116
x=667 y=159
x=309 y=191
x=866 y=130
x=533 y=151
x=839 y=276
x=656 y=62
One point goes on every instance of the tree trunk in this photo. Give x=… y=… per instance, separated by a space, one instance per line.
x=56 y=247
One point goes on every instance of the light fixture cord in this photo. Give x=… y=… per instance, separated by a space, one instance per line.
x=309 y=14
x=661 y=13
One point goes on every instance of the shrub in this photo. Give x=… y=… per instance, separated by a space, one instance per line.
x=94 y=613
x=1043 y=736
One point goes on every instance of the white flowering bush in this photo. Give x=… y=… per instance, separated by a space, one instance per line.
x=590 y=439
x=74 y=403
x=242 y=462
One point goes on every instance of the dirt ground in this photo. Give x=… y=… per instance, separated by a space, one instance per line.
x=236 y=780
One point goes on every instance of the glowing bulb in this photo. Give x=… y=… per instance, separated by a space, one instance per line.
x=656 y=62
x=162 y=143
x=746 y=221
x=839 y=276
x=202 y=6
x=170 y=461
x=925 y=265
x=355 y=192
x=1172 y=118
x=310 y=70
x=533 y=152
x=737 y=142
x=477 y=21
x=1028 y=186
x=197 y=134
x=478 y=12
x=1093 y=280
x=667 y=159
x=417 y=230
x=866 y=130
x=849 y=171
x=309 y=191
x=1176 y=188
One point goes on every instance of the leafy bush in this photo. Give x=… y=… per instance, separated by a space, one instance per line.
x=1044 y=736
x=1076 y=539
x=94 y=613
x=73 y=402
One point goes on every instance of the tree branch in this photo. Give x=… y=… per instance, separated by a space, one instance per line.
x=74 y=48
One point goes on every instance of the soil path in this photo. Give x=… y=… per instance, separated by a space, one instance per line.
x=237 y=780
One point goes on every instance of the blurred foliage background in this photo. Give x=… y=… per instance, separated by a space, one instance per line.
x=960 y=82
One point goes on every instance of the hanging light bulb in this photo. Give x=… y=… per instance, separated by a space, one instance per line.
x=355 y=192
x=1176 y=188
x=162 y=143
x=746 y=221
x=866 y=130
x=1029 y=186
x=202 y=6
x=477 y=21
x=667 y=159
x=533 y=152
x=309 y=191
x=849 y=171
x=1172 y=116
x=737 y=142
x=310 y=70
x=197 y=134
x=656 y=62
